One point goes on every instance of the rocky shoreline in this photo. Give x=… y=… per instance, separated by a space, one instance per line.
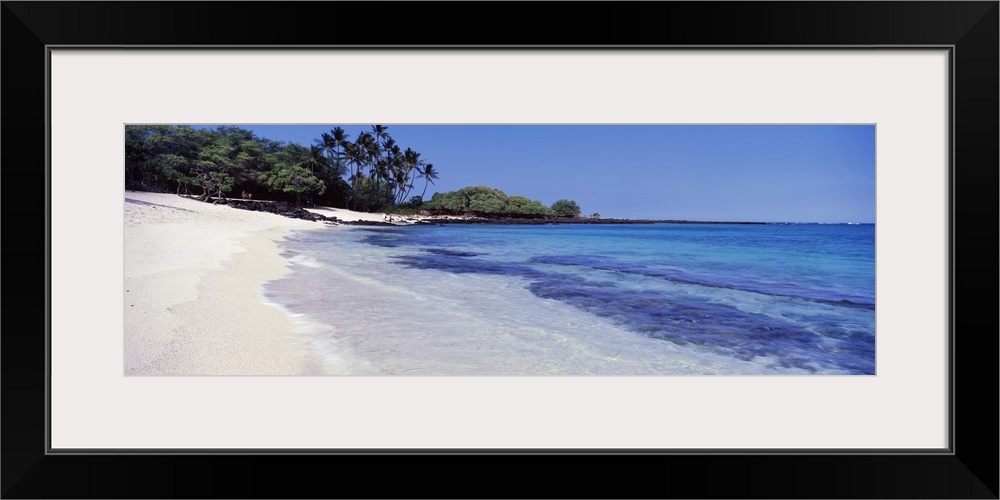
x=289 y=210
x=566 y=220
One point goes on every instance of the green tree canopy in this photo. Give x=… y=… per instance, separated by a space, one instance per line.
x=371 y=173
x=293 y=179
x=566 y=208
x=487 y=201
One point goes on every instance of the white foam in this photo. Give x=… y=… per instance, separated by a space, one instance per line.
x=304 y=260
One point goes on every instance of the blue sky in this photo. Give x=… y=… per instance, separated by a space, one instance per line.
x=768 y=173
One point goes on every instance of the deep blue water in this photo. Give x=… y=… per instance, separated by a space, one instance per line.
x=795 y=298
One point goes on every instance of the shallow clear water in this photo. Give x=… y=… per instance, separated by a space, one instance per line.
x=585 y=299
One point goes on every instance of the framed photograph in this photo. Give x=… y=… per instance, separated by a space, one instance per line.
x=847 y=129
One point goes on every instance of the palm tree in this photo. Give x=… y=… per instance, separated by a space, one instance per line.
x=379 y=135
x=379 y=131
x=339 y=137
x=326 y=142
x=333 y=143
x=387 y=165
x=372 y=153
x=411 y=162
x=402 y=183
x=355 y=155
x=313 y=159
x=428 y=173
x=392 y=167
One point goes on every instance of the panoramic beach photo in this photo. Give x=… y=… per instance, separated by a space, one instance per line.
x=499 y=250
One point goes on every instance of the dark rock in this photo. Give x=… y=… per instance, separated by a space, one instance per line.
x=569 y=220
x=280 y=208
x=366 y=223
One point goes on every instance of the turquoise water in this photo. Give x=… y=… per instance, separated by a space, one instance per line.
x=586 y=299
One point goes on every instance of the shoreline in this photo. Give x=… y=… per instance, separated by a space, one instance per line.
x=342 y=216
x=424 y=307
x=197 y=303
x=206 y=294
x=193 y=290
x=575 y=220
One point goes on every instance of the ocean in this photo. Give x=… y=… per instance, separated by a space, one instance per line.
x=617 y=299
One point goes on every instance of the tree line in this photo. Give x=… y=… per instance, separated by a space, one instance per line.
x=370 y=173
x=486 y=201
x=381 y=174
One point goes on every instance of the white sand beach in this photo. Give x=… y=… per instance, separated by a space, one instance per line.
x=193 y=302
x=194 y=273
x=352 y=216
x=347 y=215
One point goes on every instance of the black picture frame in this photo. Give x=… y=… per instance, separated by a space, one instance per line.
x=969 y=470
